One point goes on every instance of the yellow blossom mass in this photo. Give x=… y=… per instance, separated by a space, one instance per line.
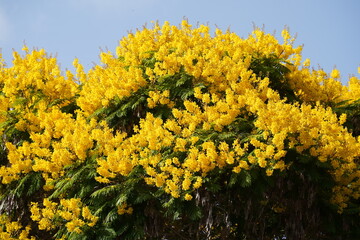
x=173 y=107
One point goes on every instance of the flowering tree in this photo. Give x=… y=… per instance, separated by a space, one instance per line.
x=181 y=135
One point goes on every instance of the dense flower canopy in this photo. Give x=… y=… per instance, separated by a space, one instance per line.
x=179 y=111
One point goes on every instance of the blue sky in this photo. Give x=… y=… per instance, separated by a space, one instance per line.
x=328 y=29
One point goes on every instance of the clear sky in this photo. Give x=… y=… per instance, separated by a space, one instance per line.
x=328 y=29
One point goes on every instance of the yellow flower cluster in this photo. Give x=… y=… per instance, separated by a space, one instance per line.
x=353 y=92
x=45 y=216
x=34 y=80
x=315 y=130
x=59 y=141
x=32 y=92
x=280 y=122
x=12 y=230
x=179 y=151
x=36 y=72
x=218 y=61
x=145 y=149
x=232 y=90
x=156 y=97
x=72 y=212
x=317 y=85
x=114 y=79
x=124 y=209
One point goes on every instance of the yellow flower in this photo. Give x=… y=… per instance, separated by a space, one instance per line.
x=306 y=63
x=187 y=197
x=124 y=209
x=335 y=74
x=269 y=172
x=198 y=183
x=186 y=184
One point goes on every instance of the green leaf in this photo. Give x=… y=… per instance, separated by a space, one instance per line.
x=246 y=179
x=111 y=216
x=226 y=136
x=213 y=186
x=194 y=212
x=233 y=179
x=71 y=182
x=106 y=191
x=28 y=185
x=20 y=101
x=143 y=197
x=99 y=112
x=184 y=78
x=122 y=198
